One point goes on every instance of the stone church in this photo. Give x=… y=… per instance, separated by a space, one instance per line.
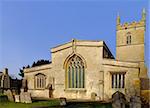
x=86 y=69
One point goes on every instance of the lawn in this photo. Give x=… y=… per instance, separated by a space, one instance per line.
x=53 y=104
x=4 y=103
x=42 y=104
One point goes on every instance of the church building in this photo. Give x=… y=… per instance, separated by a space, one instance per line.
x=86 y=69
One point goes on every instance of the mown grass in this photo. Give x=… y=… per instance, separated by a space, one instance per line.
x=35 y=104
x=4 y=103
x=53 y=104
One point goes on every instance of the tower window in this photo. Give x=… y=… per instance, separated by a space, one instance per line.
x=128 y=38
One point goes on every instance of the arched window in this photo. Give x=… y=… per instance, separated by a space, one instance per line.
x=75 y=72
x=40 y=81
x=128 y=38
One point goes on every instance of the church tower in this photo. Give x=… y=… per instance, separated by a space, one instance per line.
x=130 y=41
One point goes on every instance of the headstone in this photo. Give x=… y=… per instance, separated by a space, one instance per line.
x=22 y=90
x=118 y=100
x=17 y=98
x=9 y=95
x=93 y=96
x=63 y=101
x=13 y=92
x=25 y=97
x=97 y=98
x=22 y=99
x=135 y=102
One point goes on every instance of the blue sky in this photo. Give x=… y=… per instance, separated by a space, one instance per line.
x=29 y=28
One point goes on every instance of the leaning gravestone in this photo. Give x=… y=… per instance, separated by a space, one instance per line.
x=135 y=102
x=118 y=100
x=17 y=98
x=9 y=95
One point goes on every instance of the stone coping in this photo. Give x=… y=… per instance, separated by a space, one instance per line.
x=112 y=62
x=86 y=43
x=37 y=68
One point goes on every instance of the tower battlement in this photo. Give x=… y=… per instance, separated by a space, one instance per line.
x=133 y=24
x=130 y=39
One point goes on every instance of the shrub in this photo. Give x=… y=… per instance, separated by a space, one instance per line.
x=3 y=98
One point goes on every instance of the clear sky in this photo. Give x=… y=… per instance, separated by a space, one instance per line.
x=29 y=28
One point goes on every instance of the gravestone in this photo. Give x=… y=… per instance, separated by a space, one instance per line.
x=9 y=95
x=118 y=100
x=25 y=97
x=93 y=96
x=63 y=101
x=135 y=102
x=97 y=98
x=21 y=90
x=17 y=98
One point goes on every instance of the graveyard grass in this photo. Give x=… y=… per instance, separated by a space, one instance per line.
x=51 y=104
x=44 y=103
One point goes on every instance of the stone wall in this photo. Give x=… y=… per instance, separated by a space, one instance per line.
x=91 y=52
x=131 y=73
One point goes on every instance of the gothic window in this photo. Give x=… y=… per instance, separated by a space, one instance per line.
x=75 y=72
x=40 y=81
x=128 y=38
x=118 y=80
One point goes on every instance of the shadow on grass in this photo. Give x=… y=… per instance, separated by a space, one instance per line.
x=84 y=105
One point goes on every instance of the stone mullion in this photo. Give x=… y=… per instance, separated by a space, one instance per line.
x=82 y=77
x=43 y=82
x=78 y=76
x=117 y=80
x=38 y=82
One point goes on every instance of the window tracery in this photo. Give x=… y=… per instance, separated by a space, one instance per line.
x=75 y=72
